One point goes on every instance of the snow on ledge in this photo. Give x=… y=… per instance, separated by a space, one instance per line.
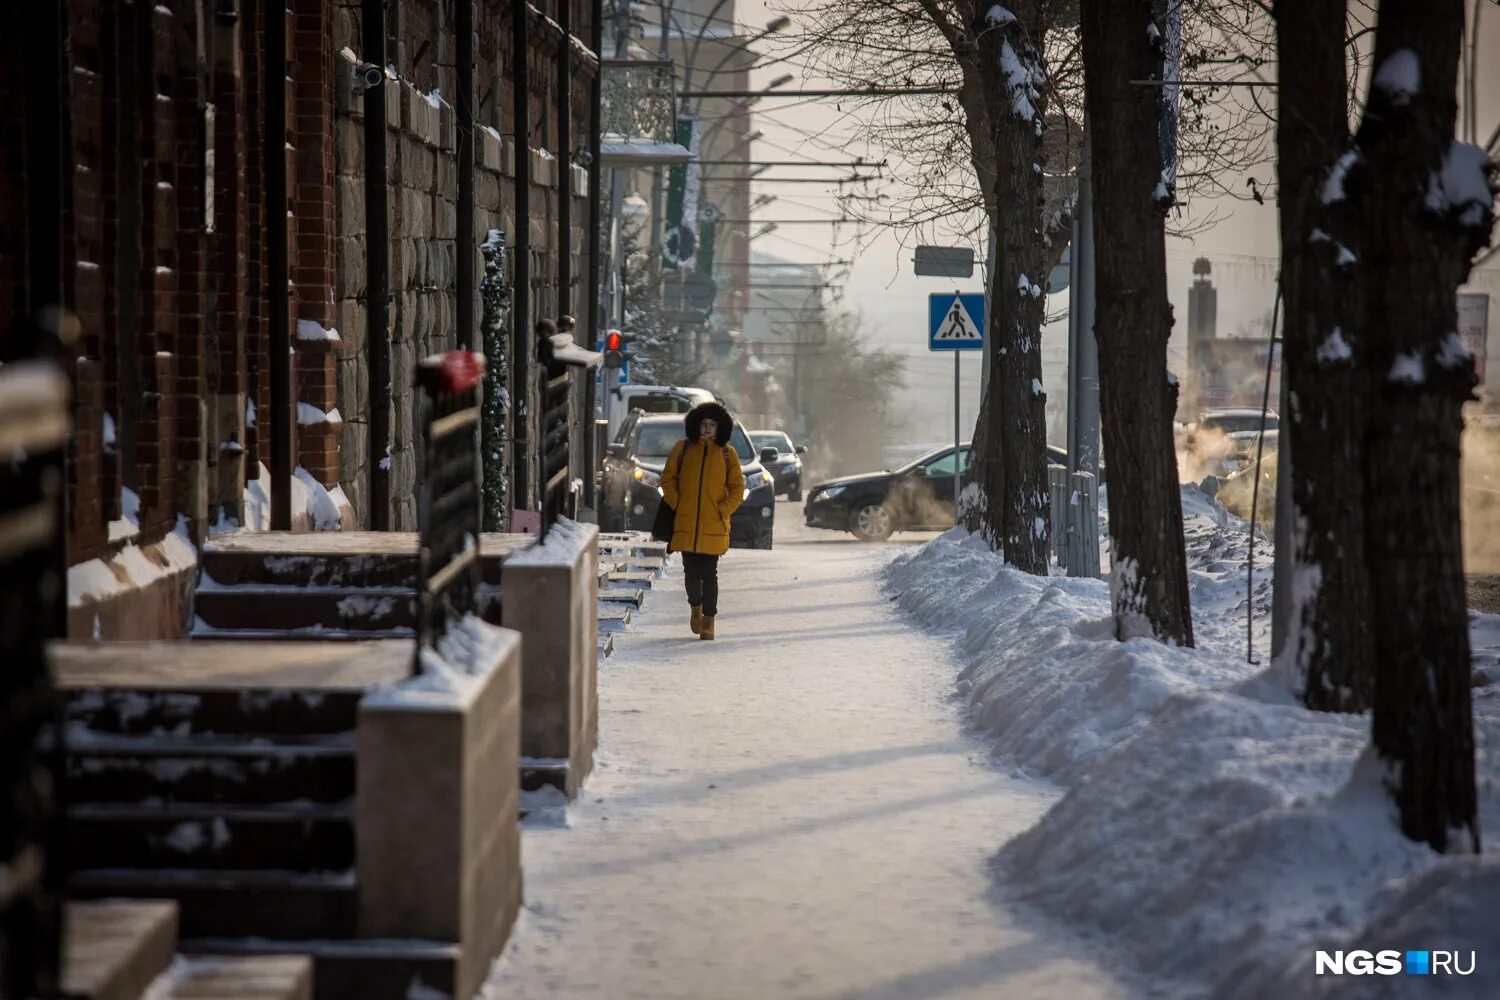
x=132 y=568
x=308 y=329
x=453 y=673
x=565 y=542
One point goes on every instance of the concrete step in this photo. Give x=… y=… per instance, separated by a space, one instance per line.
x=231 y=567
x=277 y=905
x=633 y=596
x=606 y=645
x=286 y=609
x=114 y=949
x=301 y=837
x=241 y=977
x=349 y=969
x=632 y=578
x=614 y=615
x=256 y=772
x=231 y=711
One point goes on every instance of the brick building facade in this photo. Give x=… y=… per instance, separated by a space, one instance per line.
x=165 y=257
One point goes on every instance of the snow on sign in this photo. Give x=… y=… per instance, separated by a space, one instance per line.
x=955 y=322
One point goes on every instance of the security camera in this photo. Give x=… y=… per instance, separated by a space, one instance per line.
x=367 y=76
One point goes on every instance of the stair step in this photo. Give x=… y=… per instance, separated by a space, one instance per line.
x=259 y=712
x=633 y=596
x=114 y=949
x=346 y=969
x=606 y=645
x=203 y=632
x=633 y=578
x=242 y=977
x=287 y=609
x=615 y=612
x=137 y=769
x=236 y=904
x=228 y=567
x=309 y=837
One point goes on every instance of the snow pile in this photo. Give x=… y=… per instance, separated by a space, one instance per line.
x=129 y=523
x=308 y=329
x=132 y=567
x=452 y=673
x=565 y=542
x=1400 y=77
x=1213 y=828
x=321 y=504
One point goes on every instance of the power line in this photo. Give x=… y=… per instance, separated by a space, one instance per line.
x=836 y=92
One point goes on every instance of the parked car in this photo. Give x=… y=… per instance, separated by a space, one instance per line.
x=872 y=506
x=632 y=480
x=628 y=398
x=786 y=467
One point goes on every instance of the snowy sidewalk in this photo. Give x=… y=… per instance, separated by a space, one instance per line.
x=792 y=810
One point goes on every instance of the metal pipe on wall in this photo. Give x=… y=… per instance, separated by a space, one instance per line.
x=595 y=229
x=377 y=274
x=278 y=300
x=520 y=311
x=463 y=27
x=565 y=161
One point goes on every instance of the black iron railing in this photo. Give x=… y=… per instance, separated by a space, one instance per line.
x=34 y=434
x=557 y=428
x=449 y=500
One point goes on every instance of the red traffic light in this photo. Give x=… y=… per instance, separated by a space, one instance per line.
x=614 y=341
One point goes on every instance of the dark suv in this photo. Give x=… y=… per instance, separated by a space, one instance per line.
x=632 y=480
x=786 y=467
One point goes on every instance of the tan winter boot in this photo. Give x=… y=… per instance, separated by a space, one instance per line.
x=696 y=624
x=708 y=628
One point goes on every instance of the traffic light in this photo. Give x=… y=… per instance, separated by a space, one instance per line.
x=616 y=349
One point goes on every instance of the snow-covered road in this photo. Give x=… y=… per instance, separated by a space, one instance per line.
x=793 y=810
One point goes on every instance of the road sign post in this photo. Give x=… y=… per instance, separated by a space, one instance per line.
x=956 y=322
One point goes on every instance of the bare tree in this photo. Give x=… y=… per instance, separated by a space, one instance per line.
x=1330 y=643
x=1425 y=204
x=1122 y=49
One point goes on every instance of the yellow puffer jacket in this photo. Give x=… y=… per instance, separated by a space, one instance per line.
x=703 y=484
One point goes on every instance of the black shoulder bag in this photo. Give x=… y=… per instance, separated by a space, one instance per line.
x=666 y=517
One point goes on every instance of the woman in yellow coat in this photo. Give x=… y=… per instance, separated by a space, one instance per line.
x=703 y=485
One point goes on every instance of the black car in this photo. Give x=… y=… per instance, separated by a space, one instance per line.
x=632 y=480
x=916 y=497
x=786 y=467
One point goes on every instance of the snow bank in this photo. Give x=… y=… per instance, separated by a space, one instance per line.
x=310 y=495
x=1213 y=829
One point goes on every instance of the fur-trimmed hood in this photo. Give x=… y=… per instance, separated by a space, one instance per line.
x=710 y=411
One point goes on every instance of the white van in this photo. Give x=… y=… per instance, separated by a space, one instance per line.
x=652 y=399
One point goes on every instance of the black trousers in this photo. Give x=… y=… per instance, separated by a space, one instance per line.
x=702 y=575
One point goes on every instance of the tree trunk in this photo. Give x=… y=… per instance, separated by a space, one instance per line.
x=1014 y=467
x=1134 y=319
x=1425 y=207
x=1324 y=366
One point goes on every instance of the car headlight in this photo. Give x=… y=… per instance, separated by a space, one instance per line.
x=646 y=477
x=829 y=492
x=756 y=480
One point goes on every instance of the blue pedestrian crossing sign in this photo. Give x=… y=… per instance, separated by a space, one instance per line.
x=955 y=322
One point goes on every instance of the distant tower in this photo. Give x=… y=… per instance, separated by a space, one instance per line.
x=1203 y=316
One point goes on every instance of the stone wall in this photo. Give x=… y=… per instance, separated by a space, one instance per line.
x=423 y=187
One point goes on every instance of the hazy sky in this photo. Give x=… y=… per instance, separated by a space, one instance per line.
x=1243 y=247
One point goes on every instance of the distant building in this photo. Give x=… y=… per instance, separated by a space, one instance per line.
x=1222 y=371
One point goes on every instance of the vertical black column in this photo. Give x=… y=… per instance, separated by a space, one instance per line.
x=377 y=272
x=596 y=322
x=565 y=161
x=282 y=422
x=463 y=28
x=522 y=408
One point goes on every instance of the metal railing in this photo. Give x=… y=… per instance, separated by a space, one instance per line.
x=638 y=99
x=35 y=428
x=449 y=501
x=556 y=432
